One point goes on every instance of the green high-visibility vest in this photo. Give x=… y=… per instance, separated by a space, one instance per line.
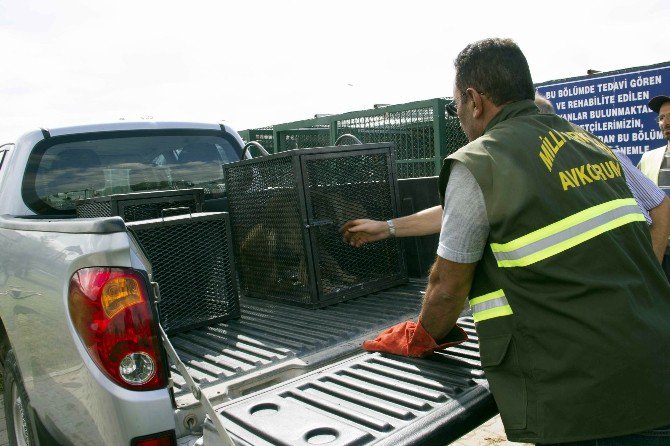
x=571 y=306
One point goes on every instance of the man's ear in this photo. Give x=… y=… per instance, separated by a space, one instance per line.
x=477 y=100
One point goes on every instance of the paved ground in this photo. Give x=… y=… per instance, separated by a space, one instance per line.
x=490 y=433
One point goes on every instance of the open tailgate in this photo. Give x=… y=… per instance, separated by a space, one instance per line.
x=367 y=399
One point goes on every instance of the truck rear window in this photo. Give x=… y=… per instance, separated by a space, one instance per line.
x=64 y=170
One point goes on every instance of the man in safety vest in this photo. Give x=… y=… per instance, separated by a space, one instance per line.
x=542 y=235
x=654 y=161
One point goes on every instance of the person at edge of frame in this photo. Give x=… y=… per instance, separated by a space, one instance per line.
x=655 y=164
x=653 y=202
x=654 y=160
x=543 y=237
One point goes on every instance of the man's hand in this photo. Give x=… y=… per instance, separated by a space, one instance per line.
x=411 y=339
x=361 y=231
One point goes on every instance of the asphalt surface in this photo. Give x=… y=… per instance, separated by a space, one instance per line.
x=490 y=433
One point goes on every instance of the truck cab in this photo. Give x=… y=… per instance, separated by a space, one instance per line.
x=66 y=398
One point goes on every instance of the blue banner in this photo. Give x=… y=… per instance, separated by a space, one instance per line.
x=613 y=106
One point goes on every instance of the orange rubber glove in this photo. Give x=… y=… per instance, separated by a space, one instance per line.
x=411 y=339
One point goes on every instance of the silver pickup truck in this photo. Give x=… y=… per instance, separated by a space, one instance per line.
x=85 y=360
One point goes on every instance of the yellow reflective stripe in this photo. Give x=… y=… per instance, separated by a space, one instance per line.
x=485 y=297
x=562 y=225
x=572 y=242
x=490 y=305
x=491 y=313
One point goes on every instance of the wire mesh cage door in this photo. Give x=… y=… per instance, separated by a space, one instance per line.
x=341 y=185
x=191 y=259
x=268 y=215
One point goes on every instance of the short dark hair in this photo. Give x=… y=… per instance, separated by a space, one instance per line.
x=497 y=68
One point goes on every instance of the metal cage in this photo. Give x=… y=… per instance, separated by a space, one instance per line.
x=286 y=211
x=424 y=133
x=191 y=259
x=138 y=206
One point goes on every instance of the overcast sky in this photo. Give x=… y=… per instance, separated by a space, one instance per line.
x=255 y=63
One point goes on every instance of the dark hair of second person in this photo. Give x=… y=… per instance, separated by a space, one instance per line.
x=496 y=68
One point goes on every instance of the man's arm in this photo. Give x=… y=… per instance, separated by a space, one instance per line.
x=448 y=286
x=652 y=201
x=361 y=231
x=660 y=227
x=645 y=192
x=463 y=235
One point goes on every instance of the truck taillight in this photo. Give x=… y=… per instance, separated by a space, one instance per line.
x=161 y=439
x=111 y=312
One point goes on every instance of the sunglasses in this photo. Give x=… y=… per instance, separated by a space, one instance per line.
x=451 y=109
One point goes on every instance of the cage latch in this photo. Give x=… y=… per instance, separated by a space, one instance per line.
x=179 y=209
x=157 y=291
x=316 y=223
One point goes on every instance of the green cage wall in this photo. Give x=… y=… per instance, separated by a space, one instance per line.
x=423 y=133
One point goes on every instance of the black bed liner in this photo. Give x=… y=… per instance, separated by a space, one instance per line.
x=272 y=336
x=285 y=375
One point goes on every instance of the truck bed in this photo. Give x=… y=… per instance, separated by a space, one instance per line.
x=274 y=341
x=304 y=364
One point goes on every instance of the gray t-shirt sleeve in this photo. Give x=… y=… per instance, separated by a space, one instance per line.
x=465 y=226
